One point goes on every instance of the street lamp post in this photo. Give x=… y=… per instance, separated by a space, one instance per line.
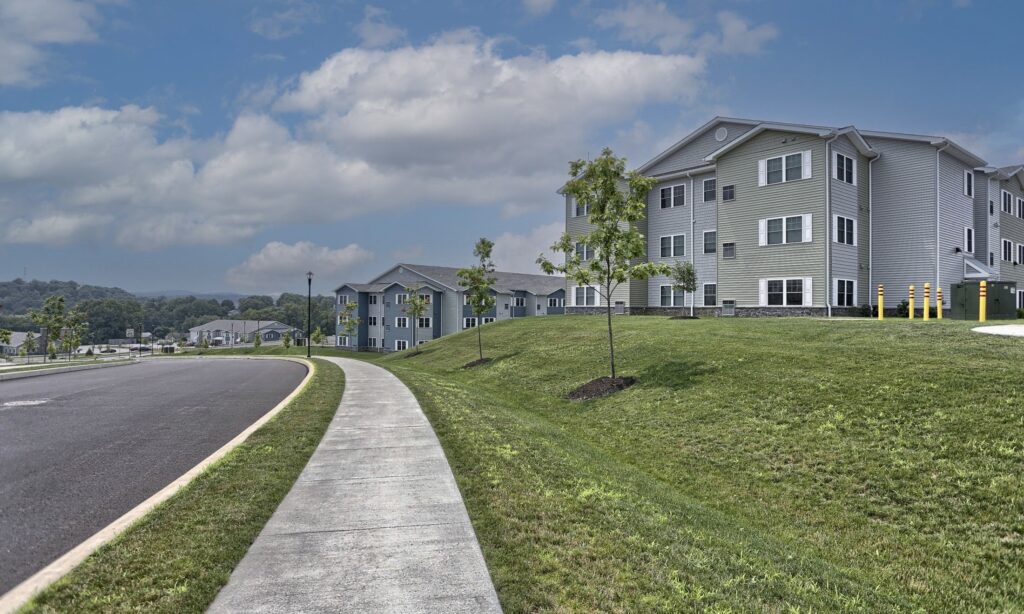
x=309 y=308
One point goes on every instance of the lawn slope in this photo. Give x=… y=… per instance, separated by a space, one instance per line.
x=757 y=465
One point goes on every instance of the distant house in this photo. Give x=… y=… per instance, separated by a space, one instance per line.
x=17 y=341
x=231 y=332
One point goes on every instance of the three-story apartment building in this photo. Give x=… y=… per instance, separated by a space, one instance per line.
x=793 y=219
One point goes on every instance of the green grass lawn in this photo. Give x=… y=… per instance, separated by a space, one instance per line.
x=177 y=557
x=758 y=465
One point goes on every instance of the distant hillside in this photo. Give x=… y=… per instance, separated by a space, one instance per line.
x=20 y=296
x=217 y=296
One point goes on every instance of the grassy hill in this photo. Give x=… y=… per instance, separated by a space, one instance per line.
x=769 y=464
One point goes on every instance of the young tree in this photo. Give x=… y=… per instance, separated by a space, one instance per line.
x=286 y=339
x=349 y=322
x=257 y=341
x=616 y=202
x=477 y=280
x=51 y=350
x=30 y=345
x=205 y=343
x=5 y=337
x=317 y=336
x=684 y=277
x=416 y=306
x=74 y=330
x=52 y=317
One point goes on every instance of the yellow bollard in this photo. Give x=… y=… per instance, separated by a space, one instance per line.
x=910 y=299
x=881 y=302
x=927 y=301
x=938 y=303
x=982 y=297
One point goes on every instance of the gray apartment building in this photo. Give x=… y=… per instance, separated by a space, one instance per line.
x=385 y=325
x=794 y=219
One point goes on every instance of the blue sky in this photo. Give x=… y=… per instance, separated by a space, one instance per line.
x=230 y=145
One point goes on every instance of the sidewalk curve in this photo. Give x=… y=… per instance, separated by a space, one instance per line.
x=375 y=522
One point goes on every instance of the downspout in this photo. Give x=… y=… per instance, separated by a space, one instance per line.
x=938 y=258
x=828 y=226
x=871 y=230
x=693 y=236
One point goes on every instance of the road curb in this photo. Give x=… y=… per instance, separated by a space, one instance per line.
x=5 y=377
x=22 y=593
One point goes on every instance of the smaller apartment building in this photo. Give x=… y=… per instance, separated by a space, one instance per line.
x=386 y=325
x=791 y=219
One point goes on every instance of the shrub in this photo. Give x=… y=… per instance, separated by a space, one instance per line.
x=903 y=309
x=868 y=311
x=1020 y=314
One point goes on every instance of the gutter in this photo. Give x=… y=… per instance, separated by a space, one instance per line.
x=938 y=258
x=871 y=230
x=828 y=225
x=693 y=242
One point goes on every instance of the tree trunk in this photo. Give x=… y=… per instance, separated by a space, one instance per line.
x=611 y=341
x=480 y=339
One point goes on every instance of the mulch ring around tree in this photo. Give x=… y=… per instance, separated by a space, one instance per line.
x=476 y=363
x=601 y=387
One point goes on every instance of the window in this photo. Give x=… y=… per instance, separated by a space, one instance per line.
x=710 y=241
x=401 y=344
x=371 y=320
x=556 y=302
x=671 y=297
x=427 y=298
x=968 y=183
x=845 y=169
x=585 y=296
x=1020 y=207
x=783 y=230
x=1007 y=250
x=710 y=295
x=728 y=308
x=538 y=306
x=468 y=322
x=991 y=259
x=582 y=210
x=728 y=250
x=728 y=192
x=969 y=240
x=400 y=299
x=845 y=230
x=422 y=341
x=710 y=188
x=342 y=299
x=584 y=251
x=373 y=299
x=372 y=342
x=673 y=196
x=1020 y=253
x=343 y=342
x=1020 y=299
x=1007 y=202
x=791 y=167
x=488 y=320
x=401 y=322
x=846 y=293
x=423 y=322
x=673 y=246
x=790 y=292
x=519 y=301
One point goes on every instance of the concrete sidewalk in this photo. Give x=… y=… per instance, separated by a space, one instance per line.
x=375 y=522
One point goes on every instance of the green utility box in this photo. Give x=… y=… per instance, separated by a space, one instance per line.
x=1001 y=304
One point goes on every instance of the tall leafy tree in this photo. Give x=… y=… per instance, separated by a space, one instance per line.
x=616 y=201
x=477 y=280
x=52 y=316
x=30 y=345
x=416 y=306
x=684 y=278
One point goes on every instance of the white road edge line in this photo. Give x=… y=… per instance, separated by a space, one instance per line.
x=22 y=593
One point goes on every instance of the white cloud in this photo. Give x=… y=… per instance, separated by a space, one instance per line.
x=644 y=22
x=278 y=264
x=375 y=30
x=284 y=22
x=738 y=38
x=27 y=27
x=539 y=7
x=518 y=252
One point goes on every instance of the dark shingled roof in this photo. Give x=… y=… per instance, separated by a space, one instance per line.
x=540 y=285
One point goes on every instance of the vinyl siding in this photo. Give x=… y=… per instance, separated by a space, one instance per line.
x=850 y=201
x=1011 y=228
x=738 y=279
x=982 y=223
x=693 y=153
x=955 y=212
x=903 y=245
x=632 y=293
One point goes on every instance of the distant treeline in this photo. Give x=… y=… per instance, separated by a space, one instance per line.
x=20 y=296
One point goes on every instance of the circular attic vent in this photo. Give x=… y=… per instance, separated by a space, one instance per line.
x=721 y=133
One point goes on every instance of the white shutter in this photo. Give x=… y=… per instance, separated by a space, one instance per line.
x=762 y=293
x=835 y=165
x=762 y=172
x=835 y=290
x=855 y=293
x=808 y=295
x=762 y=232
x=807 y=165
x=807 y=228
x=855 y=233
x=854 y=161
x=835 y=229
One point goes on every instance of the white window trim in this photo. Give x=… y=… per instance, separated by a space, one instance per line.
x=371 y=342
x=704 y=292
x=1020 y=299
x=808 y=295
x=397 y=318
x=343 y=341
x=466 y=322
x=806 y=228
x=672 y=246
x=587 y=252
x=968 y=183
x=835 y=169
x=672 y=204
x=430 y=322
x=705 y=241
x=1006 y=202
x=401 y=342
x=1020 y=207
x=968 y=240
x=517 y=299
x=597 y=296
x=1020 y=253
x=835 y=229
x=835 y=291
x=555 y=302
x=401 y=299
x=672 y=294
x=572 y=205
x=488 y=320
x=704 y=190
x=1003 y=254
x=805 y=171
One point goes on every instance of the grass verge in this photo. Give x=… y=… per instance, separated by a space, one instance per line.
x=757 y=464
x=178 y=556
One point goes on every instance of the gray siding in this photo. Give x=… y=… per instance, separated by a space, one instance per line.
x=738 y=279
x=632 y=293
x=1011 y=228
x=982 y=221
x=956 y=212
x=693 y=153
x=667 y=222
x=903 y=243
x=850 y=201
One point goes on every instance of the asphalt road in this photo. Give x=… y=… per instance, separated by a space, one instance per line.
x=78 y=450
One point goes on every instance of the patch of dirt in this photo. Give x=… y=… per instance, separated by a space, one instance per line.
x=601 y=387
x=684 y=318
x=476 y=363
